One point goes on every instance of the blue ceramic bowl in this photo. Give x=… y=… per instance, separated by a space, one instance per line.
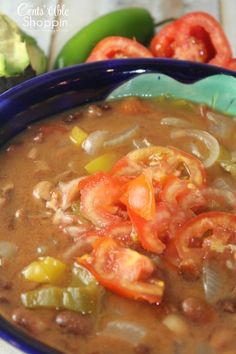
x=60 y=90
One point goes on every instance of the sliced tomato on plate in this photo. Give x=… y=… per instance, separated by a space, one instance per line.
x=207 y=232
x=115 y=47
x=162 y=161
x=100 y=199
x=123 y=271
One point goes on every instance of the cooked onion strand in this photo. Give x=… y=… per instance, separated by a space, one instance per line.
x=203 y=136
x=176 y=122
x=122 y=137
x=93 y=143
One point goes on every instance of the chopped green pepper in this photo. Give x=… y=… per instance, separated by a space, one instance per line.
x=81 y=276
x=102 y=163
x=78 y=135
x=81 y=299
x=45 y=270
x=83 y=294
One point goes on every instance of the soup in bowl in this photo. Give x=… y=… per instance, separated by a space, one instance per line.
x=118 y=224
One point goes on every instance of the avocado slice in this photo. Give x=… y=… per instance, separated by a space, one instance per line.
x=20 y=56
x=12 y=48
x=38 y=60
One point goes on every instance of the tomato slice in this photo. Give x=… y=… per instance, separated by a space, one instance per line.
x=162 y=161
x=154 y=234
x=121 y=233
x=139 y=196
x=163 y=43
x=99 y=199
x=203 y=26
x=185 y=195
x=195 y=36
x=181 y=193
x=166 y=45
x=193 y=49
x=123 y=271
x=231 y=65
x=150 y=232
x=115 y=47
x=204 y=233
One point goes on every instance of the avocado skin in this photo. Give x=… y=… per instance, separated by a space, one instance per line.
x=8 y=82
x=21 y=64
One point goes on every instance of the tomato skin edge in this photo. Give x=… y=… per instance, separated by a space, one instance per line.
x=184 y=26
x=123 y=291
x=133 y=22
x=110 y=47
x=195 y=256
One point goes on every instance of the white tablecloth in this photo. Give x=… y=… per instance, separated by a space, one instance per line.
x=5 y=348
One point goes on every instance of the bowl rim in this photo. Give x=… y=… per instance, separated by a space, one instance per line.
x=204 y=70
x=9 y=332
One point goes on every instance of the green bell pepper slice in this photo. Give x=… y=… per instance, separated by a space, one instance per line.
x=85 y=300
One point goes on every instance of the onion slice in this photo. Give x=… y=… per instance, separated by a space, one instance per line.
x=123 y=137
x=125 y=330
x=176 y=122
x=93 y=143
x=213 y=281
x=218 y=124
x=233 y=156
x=139 y=144
x=209 y=140
x=195 y=150
x=222 y=184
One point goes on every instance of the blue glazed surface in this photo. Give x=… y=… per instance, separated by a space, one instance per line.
x=64 y=89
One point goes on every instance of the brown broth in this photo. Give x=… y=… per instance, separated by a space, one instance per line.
x=24 y=222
